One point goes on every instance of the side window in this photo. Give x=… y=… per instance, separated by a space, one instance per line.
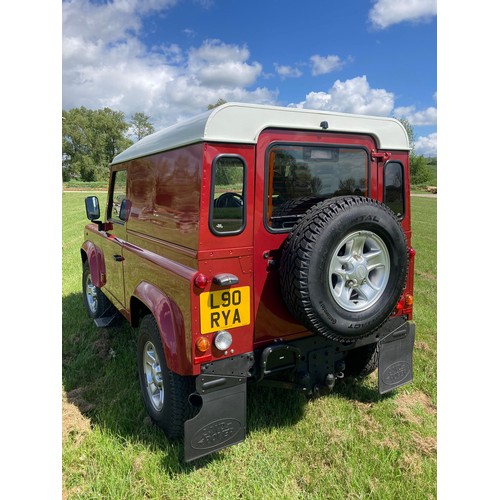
x=394 y=187
x=119 y=193
x=228 y=195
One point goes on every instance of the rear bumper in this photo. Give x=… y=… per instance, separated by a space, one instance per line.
x=306 y=364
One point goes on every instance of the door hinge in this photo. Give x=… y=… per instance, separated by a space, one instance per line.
x=385 y=155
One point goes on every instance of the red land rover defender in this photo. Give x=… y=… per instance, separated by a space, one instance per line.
x=255 y=244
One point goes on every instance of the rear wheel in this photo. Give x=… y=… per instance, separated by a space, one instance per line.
x=362 y=361
x=165 y=393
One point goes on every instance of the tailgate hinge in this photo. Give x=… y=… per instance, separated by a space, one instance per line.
x=385 y=155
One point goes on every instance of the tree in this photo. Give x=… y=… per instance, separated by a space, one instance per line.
x=409 y=130
x=141 y=126
x=220 y=102
x=90 y=141
x=420 y=173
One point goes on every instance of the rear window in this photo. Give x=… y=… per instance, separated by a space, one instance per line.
x=299 y=176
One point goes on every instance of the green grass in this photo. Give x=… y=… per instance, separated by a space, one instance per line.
x=86 y=186
x=353 y=444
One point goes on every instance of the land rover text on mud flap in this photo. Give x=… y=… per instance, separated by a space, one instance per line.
x=255 y=244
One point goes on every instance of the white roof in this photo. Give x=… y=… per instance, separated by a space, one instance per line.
x=242 y=123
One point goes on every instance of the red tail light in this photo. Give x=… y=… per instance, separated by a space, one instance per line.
x=201 y=281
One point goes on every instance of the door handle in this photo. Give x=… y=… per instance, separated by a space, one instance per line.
x=118 y=258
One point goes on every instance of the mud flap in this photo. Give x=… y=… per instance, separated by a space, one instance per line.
x=221 y=421
x=396 y=358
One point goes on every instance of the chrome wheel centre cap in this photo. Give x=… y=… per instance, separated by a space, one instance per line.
x=359 y=270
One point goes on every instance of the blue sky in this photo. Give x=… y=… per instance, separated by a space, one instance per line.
x=171 y=58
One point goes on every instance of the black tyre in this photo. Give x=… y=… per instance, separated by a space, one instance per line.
x=362 y=361
x=343 y=267
x=96 y=303
x=165 y=393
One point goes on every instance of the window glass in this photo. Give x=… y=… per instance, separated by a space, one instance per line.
x=119 y=193
x=394 y=187
x=301 y=176
x=228 y=195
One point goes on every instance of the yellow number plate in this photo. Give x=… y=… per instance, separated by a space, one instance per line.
x=225 y=309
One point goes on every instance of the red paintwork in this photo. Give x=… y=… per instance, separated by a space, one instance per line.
x=170 y=324
x=167 y=242
x=96 y=261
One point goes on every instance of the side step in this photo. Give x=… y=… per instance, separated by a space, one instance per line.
x=108 y=318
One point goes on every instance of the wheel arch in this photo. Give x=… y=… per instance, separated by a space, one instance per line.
x=148 y=299
x=93 y=254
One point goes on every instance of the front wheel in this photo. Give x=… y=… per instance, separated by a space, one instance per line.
x=96 y=303
x=164 y=392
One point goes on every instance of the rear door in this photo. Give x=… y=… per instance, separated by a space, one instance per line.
x=294 y=171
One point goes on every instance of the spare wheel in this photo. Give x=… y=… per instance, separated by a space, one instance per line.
x=343 y=267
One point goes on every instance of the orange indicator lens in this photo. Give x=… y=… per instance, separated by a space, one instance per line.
x=203 y=344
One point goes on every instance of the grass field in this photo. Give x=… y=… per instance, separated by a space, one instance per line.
x=350 y=445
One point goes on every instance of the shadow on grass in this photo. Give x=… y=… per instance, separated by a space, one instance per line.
x=100 y=377
x=359 y=390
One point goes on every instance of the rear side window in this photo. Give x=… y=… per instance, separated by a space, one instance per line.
x=119 y=193
x=300 y=176
x=394 y=187
x=228 y=195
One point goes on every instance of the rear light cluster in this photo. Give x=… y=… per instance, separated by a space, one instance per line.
x=405 y=303
x=222 y=340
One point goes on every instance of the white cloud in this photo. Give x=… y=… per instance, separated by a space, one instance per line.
x=324 y=65
x=217 y=64
x=352 y=96
x=287 y=71
x=417 y=118
x=107 y=22
x=427 y=146
x=384 y=13
x=106 y=64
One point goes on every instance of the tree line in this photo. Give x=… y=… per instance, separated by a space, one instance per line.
x=92 y=138
x=420 y=172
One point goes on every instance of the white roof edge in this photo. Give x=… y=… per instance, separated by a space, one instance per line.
x=243 y=123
